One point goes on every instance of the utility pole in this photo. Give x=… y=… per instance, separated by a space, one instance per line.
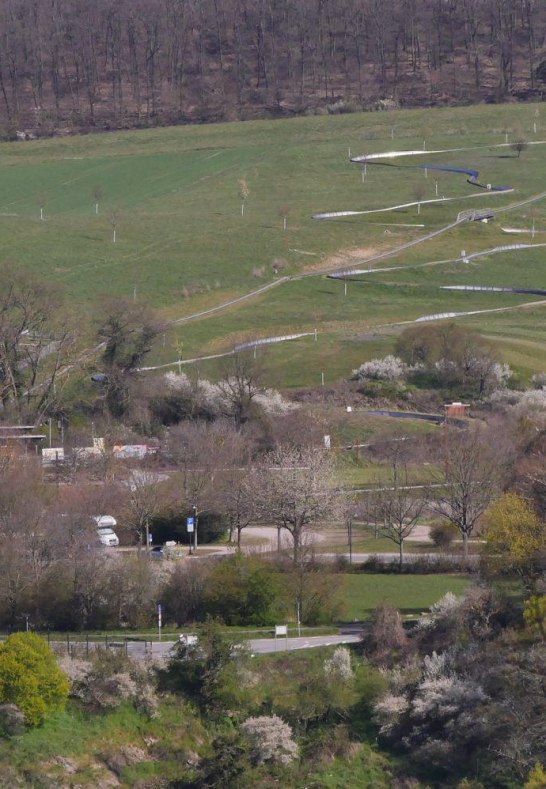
x=147 y=528
x=195 y=516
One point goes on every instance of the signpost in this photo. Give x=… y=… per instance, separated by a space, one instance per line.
x=190 y=527
x=281 y=630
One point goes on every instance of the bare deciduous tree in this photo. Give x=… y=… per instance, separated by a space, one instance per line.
x=298 y=489
x=35 y=344
x=240 y=383
x=471 y=472
x=114 y=220
x=127 y=333
x=146 y=498
x=97 y=194
x=284 y=212
x=419 y=191
x=394 y=507
x=237 y=499
x=244 y=192
x=519 y=146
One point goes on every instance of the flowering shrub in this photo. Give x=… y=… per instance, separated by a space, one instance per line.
x=339 y=665
x=270 y=740
x=391 y=368
x=212 y=398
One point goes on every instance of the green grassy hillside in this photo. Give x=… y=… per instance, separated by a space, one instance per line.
x=183 y=245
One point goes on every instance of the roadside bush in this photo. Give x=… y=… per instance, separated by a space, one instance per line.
x=441 y=701
x=326 y=744
x=227 y=764
x=184 y=593
x=318 y=588
x=242 y=591
x=109 y=679
x=423 y=565
x=443 y=534
x=387 y=643
x=30 y=677
x=209 y=671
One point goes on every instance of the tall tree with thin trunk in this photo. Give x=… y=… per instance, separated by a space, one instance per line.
x=97 y=194
x=393 y=506
x=240 y=383
x=472 y=471
x=145 y=500
x=127 y=333
x=36 y=343
x=284 y=212
x=419 y=192
x=244 y=192
x=114 y=219
x=519 y=146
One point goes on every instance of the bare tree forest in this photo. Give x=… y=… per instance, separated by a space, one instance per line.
x=123 y=63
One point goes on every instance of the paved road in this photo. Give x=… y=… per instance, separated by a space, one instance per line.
x=160 y=650
x=140 y=650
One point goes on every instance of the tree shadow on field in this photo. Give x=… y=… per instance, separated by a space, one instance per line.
x=327 y=293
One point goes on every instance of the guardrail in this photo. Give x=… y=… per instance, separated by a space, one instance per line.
x=272 y=340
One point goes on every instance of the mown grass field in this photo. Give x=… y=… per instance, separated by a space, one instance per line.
x=183 y=245
x=411 y=594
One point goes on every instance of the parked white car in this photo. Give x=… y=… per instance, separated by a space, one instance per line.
x=105 y=530
x=188 y=640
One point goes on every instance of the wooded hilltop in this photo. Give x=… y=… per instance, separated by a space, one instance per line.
x=67 y=65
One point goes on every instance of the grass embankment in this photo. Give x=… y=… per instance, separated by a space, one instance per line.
x=123 y=747
x=183 y=245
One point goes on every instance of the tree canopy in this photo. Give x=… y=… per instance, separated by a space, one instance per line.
x=30 y=677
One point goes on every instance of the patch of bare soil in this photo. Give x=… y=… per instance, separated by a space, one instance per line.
x=345 y=257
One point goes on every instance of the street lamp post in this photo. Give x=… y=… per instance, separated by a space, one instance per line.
x=194 y=528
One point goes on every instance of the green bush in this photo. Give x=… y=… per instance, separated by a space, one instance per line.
x=243 y=591
x=443 y=534
x=30 y=677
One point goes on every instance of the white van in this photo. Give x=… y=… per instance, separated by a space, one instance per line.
x=105 y=530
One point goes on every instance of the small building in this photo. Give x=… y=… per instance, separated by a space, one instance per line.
x=456 y=410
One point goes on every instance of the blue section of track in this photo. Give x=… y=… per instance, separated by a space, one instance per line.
x=472 y=179
x=472 y=176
